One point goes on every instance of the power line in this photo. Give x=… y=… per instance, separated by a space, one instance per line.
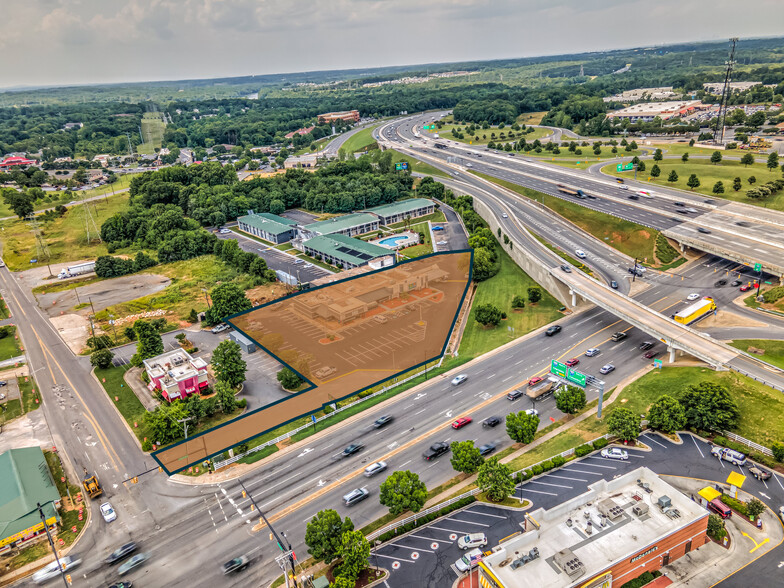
x=718 y=138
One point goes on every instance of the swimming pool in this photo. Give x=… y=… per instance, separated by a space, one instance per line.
x=392 y=241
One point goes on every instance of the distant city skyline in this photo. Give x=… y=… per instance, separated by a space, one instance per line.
x=68 y=42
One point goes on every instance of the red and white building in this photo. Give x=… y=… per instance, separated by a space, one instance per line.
x=346 y=115
x=176 y=374
x=15 y=161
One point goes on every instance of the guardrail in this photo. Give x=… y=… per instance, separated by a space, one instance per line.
x=748 y=443
x=223 y=463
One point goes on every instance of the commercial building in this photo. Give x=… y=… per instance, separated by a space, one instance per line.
x=304 y=161
x=10 y=162
x=647 y=111
x=718 y=87
x=302 y=131
x=398 y=211
x=660 y=93
x=176 y=374
x=350 y=225
x=339 y=249
x=346 y=115
x=269 y=227
x=603 y=538
x=25 y=481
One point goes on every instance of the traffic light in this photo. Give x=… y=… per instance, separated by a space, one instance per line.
x=271 y=537
x=244 y=494
x=68 y=579
x=252 y=508
x=135 y=480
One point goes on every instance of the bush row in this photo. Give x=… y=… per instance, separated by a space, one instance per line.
x=642 y=580
x=426 y=519
x=759 y=457
x=737 y=505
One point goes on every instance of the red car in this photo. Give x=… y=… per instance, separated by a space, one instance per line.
x=461 y=422
x=747 y=287
x=534 y=381
x=572 y=362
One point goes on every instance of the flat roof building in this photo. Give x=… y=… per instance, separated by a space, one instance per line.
x=398 y=211
x=718 y=87
x=176 y=374
x=340 y=249
x=659 y=93
x=647 y=111
x=300 y=161
x=346 y=115
x=269 y=227
x=25 y=481
x=350 y=225
x=614 y=532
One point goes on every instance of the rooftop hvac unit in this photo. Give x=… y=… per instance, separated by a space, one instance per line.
x=178 y=359
x=640 y=509
x=526 y=557
x=664 y=502
x=569 y=563
x=610 y=509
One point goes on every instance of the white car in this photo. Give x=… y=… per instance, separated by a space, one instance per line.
x=532 y=412
x=579 y=253
x=592 y=352
x=623 y=187
x=614 y=453
x=375 y=468
x=472 y=540
x=51 y=571
x=442 y=243
x=224 y=231
x=504 y=215
x=607 y=368
x=108 y=512
x=457 y=380
x=692 y=296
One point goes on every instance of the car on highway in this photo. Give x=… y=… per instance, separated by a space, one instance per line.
x=633 y=197
x=692 y=296
x=614 y=453
x=572 y=362
x=461 y=422
x=606 y=368
x=553 y=330
x=51 y=570
x=736 y=283
x=619 y=336
x=121 y=585
x=219 y=328
x=623 y=187
x=472 y=541
x=651 y=354
x=356 y=495
x=235 y=565
x=457 y=380
x=121 y=553
x=133 y=563
x=703 y=230
x=375 y=468
x=579 y=253
x=492 y=421
x=383 y=421
x=532 y=412
x=747 y=287
x=436 y=450
x=514 y=394
x=592 y=352
x=107 y=512
x=352 y=449
x=566 y=268
x=487 y=448
x=760 y=473
x=679 y=204
x=681 y=211
x=614 y=285
x=646 y=345
x=504 y=215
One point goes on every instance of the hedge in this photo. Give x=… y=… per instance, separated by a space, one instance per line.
x=547 y=465
x=737 y=505
x=426 y=519
x=536 y=470
x=558 y=461
x=600 y=443
x=583 y=450
x=642 y=580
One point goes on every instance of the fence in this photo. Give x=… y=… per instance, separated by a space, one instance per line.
x=223 y=463
x=755 y=446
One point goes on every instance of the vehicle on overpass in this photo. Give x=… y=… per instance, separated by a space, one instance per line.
x=694 y=312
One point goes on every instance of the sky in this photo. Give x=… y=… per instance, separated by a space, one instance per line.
x=67 y=42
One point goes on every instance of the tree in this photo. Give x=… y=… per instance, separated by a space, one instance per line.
x=101 y=358
x=341 y=581
x=773 y=161
x=751 y=180
x=570 y=399
x=718 y=187
x=288 y=379
x=754 y=508
x=495 y=480
x=224 y=395
x=623 y=423
x=99 y=342
x=534 y=295
x=354 y=551
x=521 y=426
x=483 y=264
x=716 y=527
x=465 y=457
x=685 y=157
x=716 y=157
x=747 y=159
x=655 y=171
x=487 y=315
x=641 y=166
x=737 y=184
x=403 y=491
x=693 y=181
x=227 y=299
x=227 y=363
x=666 y=415
x=673 y=177
x=709 y=407
x=148 y=341
x=518 y=301
x=20 y=202
x=324 y=533
x=657 y=155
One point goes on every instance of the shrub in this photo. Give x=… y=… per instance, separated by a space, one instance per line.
x=600 y=443
x=147 y=445
x=558 y=461
x=536 y=470
x=737 y=505
x=242 y=403
x=664 y=251
x=547 y=465
x=427 y=519
x=583 y=450
x=778 y=451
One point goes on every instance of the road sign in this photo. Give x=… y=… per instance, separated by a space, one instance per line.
x=757 y=267
x=624 y=166
x=401 y=165
x=657 y=363
x=576 y=377
x=558 y=368
x=313 y=418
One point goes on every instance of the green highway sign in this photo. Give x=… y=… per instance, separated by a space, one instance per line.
x=624 y=166
x=576 y=377
x=558 y=368
x=401 y=165
x=757 y=267
x=657 y=363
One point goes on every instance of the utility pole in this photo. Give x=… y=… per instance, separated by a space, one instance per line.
x=51 y=544
x=718 y=138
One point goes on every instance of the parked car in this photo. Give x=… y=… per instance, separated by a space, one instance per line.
x=356 y=495
x=461 y=422
x=352 y=449
x=121 y=553
x=469 y=561
x=730 y=455
x=133 y=563
x=224 y=231
x=472 y=541
x=572 y=362
x=3 y=383
x=107 y=512
x=492 y=421
x=438 y=228
x=383 y=421
x=435 y=450
x=487 y=448
x=614 y=453
x=235 y=565
x=553 y=330
x=760 y=473
x=457 y=380
x=593 y=351
x=219 y=328
x=515 y=394
x=614 y=285
x=606 y=368
x=375 y=468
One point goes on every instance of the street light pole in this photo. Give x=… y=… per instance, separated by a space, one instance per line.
x=51 y=544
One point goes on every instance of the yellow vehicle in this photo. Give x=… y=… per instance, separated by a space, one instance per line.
x=694 y=312
x=91 y=485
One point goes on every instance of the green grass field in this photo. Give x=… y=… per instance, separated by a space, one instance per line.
x=9 y=345
x=774 y=350
x=415 y=165
x=360 y=141
x=305 y=149
x=500 y=290
x=709 y=174
x=485 y=136
x=153 y=125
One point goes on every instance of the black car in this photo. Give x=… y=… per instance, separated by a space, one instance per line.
x=493 y=421
x=614 y=285
x=3 y=383
x=235 y=565
x=735 y=283
x=633 y=197
x=720 y=283
x=646 y=345
x=553 y=330
x=121 y=553
x=383 y=421
x=515 y=394
x=352 y=449
x=743 y=224
x=681 y=211
x=703 y=230
x=679 y=204
x=435 y=450
x=487 y=448
x=122 y=585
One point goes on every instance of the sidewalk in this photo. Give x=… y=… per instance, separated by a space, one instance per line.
x=12 y=362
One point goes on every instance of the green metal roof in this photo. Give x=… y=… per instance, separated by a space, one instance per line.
x=264 y=224
x=341 y=223
x=25 y=481
x=401 y=206
x=278 y=219
x=347 y=249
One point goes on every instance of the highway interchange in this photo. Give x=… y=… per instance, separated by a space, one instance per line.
x=174 y=520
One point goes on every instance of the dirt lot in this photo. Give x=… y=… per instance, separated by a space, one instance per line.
x=39 y=276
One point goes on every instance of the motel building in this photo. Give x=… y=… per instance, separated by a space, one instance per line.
x=176 y=374
x=611 y=534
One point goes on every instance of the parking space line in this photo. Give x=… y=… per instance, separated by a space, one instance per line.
x=700 y=450
x=538 y=492
x=466 y=522
x=654 y=441
x=395 y=558
x=596 y=465
x=582 y=472
x=546 y=484
x=430 y=539
x=485 y=514
x=447 y=530
x=567 y=478
x=412 y=548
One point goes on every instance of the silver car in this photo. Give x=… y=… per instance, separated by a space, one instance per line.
x=375 y=468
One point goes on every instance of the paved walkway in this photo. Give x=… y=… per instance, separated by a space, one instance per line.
x=133 y=379
x=12 y=361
